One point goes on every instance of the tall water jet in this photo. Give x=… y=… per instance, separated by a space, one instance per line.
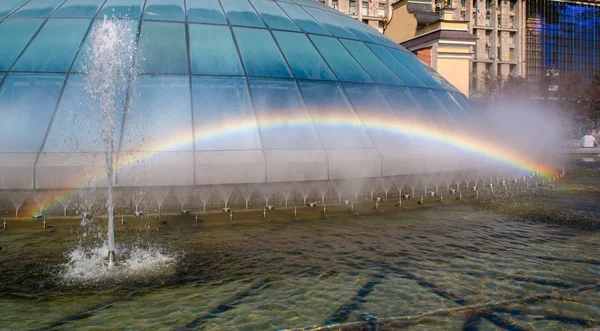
x=110 y=70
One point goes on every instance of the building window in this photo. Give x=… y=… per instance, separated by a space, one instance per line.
x=380 y=28
x=488 y=4
x=511 y=23
x=463 y=3
x=499 y=54
x=382 y=9
x=488 y=52
x=499 y=21
x=475 y=3
x=334 y=4
x=463 y=15
x=352 y=9
x=366 y=22
x=511 y=38
x=364 y=9
x=513 y=3
x=511 y=54
x=488 y=19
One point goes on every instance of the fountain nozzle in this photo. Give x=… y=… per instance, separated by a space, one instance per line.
x=295 y=211
x=45 y=223
x=5 y=222
x=111 y=258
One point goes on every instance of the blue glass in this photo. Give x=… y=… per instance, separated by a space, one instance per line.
x=273 y=15
x=330 y=24
x=79 y=8
x=213 y=51
x=407 y=106
x=205 y=11
x=260 y=54
x=463 y=101
x=14 y=36
x=240 y=12
x=122 y=8
x=38 y=8
x=302 y=19
x=78 y=123
x=452 y=106
x=82 y=57
x=8 y=6
x=302 y=56
x=165 y=10
x=375 y=68
x=219 y=103
x=27 y=102
x=161 y=118
x=371 y=104
x=435 y=109
x=162 y=48
x=420 y=69
x=340 y=61
x=327 y=103
x=55 y=47
x=398 y=68
x=349 y=24
x=283 y=120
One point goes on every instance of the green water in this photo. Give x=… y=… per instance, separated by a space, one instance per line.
x=415 y=269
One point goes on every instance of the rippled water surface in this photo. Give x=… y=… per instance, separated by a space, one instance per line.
x=273 y=274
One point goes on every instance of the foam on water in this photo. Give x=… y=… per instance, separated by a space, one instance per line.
x=89 y=264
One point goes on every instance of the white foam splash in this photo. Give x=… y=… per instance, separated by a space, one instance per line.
x=89 y=264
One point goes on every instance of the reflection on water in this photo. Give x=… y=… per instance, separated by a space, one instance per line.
x=428 y=263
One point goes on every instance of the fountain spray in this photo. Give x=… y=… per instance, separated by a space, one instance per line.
x=110 y=71
x=5 y=222
x=45 y=223
x=295 y=211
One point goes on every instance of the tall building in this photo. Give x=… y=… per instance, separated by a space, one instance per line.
x=372 y=12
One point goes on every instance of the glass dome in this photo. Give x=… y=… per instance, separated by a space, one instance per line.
x=228 y=91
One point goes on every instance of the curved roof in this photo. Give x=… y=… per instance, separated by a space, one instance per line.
x=228 y=91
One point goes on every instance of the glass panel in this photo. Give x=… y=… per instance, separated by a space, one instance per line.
x=240 y=12
x=273 y=15
x=55 y=47
x=398 y=68
x=8 y=6
x=38 y=8
x=327 y=104
x=27 y=102
x=344 y=21
x=14 y=36
x=79 y=8
x=123 y=8
x=161 y=118
x=452 y=106
x=282 y=117
x=372 y=106
x=260 y=54
x=408 y=108
x=302 y=56
x=329 y=23
x=78 y=121
x=164 y=10
x=427 y=75
x=463 y=101
x=223 y=116
x=375 y=68
x=435 y=109
x=82 y=57
x=162 y=48
x=213 y=51
x=304 y=21
x=205 y=11
x=344 y=66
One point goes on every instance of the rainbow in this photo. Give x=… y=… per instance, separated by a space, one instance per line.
x=414 y=129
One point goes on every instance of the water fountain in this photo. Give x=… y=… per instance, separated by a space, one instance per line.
x=160 y=195
x=110 y=70
x=247 y=191
x=17 y=198
x=286 y=189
